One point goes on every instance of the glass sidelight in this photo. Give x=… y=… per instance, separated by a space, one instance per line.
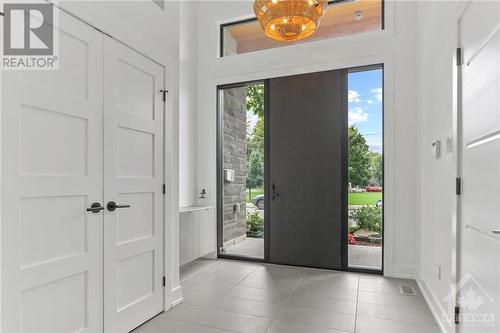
x=241 y=171
x=365 y=189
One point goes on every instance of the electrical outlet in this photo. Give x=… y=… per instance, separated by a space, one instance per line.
x=438 y=272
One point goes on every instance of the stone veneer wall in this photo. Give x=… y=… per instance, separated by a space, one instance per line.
x=234 y=222
x=235 y=118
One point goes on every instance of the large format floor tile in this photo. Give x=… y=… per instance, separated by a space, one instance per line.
x=200 y=298
x=279 y=326
x=321 y=318
x=415 y=315
x=248 y=306
x=236 y=296
x=390 y=299
x=258 y=294
x=233 y=321
x=373 y=325
x=161 y=325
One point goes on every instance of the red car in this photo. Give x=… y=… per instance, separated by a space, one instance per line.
x=373 y=188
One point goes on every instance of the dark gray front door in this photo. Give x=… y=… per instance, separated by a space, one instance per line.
x=307 y=181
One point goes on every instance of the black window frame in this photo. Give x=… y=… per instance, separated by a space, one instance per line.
x=220 y=174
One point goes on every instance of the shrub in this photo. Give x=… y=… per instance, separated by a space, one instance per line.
x=255 y=225
x=368 y=218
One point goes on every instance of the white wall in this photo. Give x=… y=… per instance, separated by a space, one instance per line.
x=437 y=46
x=396 y=47
x=155 y=33
x=188 y=87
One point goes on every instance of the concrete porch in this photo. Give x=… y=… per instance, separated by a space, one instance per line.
x=360 y=256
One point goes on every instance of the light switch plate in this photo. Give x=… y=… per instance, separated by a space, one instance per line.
x=449 y=144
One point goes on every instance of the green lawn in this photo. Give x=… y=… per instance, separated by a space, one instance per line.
x=365 y=198
x=255 y=192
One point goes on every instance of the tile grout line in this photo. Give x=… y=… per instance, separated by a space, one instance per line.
x=357 y=303
x=202 y=325
x=287 y=298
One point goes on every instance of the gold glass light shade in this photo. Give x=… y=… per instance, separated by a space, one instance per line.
x=289 y=20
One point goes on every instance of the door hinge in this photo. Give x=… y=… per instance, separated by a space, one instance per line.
x=164 y=282
x=458 y=186
x=460 y=60
x=164 y=189
x=457 y=315
x=164 y=92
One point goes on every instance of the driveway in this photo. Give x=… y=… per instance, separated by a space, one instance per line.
x=252 y=209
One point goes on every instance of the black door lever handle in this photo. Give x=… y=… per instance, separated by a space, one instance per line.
x=274 y=194
x=113 y=205
x=95 y=208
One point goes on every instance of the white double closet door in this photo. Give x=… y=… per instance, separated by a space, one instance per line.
x=479 y=234
x=90 y=132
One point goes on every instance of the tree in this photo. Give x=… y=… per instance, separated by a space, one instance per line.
x=255 y=139
x=359 y=158
x=255 y=105
x=255 y=171
x=255 y=100
x=376 y=168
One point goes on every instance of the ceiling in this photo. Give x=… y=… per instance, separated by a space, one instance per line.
x=339 y=20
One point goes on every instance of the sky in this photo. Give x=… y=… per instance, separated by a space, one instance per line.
x=365 y=106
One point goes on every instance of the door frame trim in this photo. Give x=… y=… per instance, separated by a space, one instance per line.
x=344 y=196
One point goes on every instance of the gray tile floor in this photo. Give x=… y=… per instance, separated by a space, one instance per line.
x=235 y=296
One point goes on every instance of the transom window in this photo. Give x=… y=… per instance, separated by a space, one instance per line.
x=342 y=18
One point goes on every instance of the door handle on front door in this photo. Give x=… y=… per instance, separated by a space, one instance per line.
x=95 y=208
x=113 y=205
x=496 y=232
x=274 y=194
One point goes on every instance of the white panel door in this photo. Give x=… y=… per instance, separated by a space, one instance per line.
x=133 y=176
x=51 y=173
x=479 y=270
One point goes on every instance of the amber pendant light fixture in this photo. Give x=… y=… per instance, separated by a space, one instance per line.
x=289 y=20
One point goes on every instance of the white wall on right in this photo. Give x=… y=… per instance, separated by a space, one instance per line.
x=437 y=21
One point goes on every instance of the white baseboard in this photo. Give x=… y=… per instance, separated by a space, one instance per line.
x=434 y=305
x=400 y=272
x=177 y=302
x=175 y=298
